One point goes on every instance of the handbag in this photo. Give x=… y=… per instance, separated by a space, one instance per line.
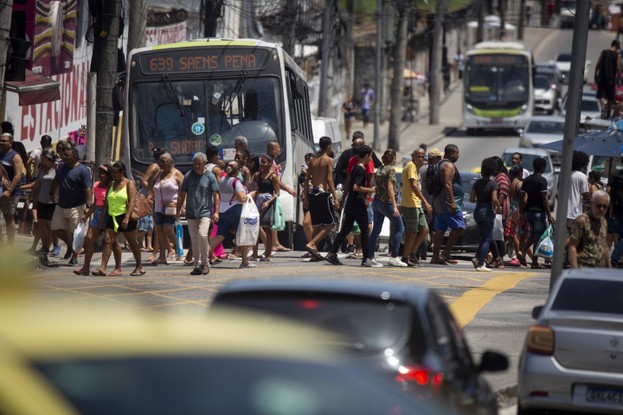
x=142 y=207
x=279 y=222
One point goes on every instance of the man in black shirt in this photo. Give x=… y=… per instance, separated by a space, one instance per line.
x=535 y=208
x=355 y=209
x=342 y=162
x=607 y=69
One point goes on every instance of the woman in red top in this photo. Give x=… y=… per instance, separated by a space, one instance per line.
x=504 y=184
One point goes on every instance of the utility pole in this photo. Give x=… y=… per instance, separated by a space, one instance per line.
x=481 y=22
x=501 y=9
x=576 y=80
x=138 y=24
x=435 y=64
x=105 y=50
x=323 y=96
x=290 y=17
x=210 y=11
x=522 y=20
x=400 y=53
x=377 y=74
x=6 y=9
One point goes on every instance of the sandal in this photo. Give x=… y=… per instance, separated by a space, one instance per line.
x=189 y=262
x=82 y=272
x=159 y=262
x=537 y=266
x=138 y=272
x=98 y=273
x=450 y=260
x=438 y=262
x=115 y=273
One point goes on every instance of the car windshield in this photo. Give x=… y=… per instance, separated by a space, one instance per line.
x=590 y=295
x=526 y=161
x=541 y=82
x=546 y=127
x=164 y=385
x=564 y=57
x=371 y=325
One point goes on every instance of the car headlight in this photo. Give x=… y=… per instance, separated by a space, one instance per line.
x=524 y=108
x=469 y=108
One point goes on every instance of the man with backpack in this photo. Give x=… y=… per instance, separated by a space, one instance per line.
x=615 y=189
x=444 y=185
x=606 y=71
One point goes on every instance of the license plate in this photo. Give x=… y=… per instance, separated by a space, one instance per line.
x=604 y=395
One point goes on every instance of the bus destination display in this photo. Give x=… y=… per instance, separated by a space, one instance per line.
x=202 y=60
x=491 y=59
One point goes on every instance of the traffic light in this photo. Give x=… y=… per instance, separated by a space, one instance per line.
x=17 y=60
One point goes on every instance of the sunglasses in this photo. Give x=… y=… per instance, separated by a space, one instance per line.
x=602 y=206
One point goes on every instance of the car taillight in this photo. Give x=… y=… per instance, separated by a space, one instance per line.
x=420 y=375
x=541 y=340
x=309 y=304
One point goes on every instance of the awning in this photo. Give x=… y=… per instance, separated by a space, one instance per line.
x=35 y=89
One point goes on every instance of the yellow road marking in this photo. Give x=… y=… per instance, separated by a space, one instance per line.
x=472 y=301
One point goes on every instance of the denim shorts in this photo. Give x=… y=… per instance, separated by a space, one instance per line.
x=443 y=221
x=161 y=219
x=228 y=221
x=537 y=221
x=96 y=219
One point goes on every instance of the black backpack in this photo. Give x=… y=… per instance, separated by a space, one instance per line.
x=432 y=181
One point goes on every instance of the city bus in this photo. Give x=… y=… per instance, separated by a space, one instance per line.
x=497 y=89
x=183 y=96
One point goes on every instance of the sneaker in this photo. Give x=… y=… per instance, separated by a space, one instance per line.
x=196 y=271
x=483 y=268
x=333 y=259
x=395 y=262
x=514 y=262
x=407 y=262
x=44 y=250
x=475 y=262
x=248 y=265
x=56 y=251
x=371 y=263
x=205 y=270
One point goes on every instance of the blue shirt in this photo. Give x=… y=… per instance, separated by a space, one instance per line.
x=199 y=189
x=72 y=182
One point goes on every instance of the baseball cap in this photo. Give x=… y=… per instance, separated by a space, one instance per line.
x=435 y=152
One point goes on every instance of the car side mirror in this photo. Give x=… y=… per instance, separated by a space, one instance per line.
x=493 y=362
x=536 y=311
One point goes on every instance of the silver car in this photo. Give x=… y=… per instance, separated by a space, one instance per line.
x=572 y=359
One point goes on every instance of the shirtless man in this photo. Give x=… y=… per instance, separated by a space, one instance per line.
x=318 y=200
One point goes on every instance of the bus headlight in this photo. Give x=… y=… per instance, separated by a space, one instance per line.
x=469 y=108
x=524 y=108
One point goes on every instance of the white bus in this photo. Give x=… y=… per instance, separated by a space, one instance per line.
x=183 y=96
x=498 y=91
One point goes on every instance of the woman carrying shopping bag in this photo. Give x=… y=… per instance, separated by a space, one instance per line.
x=233 y=197
x=267 y=193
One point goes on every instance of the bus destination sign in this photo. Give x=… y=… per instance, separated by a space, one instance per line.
x=203 y=60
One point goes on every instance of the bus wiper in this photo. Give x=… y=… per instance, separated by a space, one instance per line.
x=235 y=91
x=170 y=92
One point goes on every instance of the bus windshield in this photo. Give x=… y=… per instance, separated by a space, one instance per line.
x=183 y=115
x=497 y=81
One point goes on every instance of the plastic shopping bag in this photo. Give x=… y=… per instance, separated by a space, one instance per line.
x=279 y=222
x=498 y=228
x=545 y=247
x=80 y=234
x=179 y=239
x=249 y=225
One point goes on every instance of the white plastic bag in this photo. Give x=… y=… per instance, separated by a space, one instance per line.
x=498 y=228
x=249 y=225
x=80 y=234
x=545 y=247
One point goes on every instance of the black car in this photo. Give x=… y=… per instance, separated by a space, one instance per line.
x=405 y=332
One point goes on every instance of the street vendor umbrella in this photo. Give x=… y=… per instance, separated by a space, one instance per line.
x=607 y=143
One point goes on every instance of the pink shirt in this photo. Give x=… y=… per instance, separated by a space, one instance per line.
x=165 y=192
x=99 y=193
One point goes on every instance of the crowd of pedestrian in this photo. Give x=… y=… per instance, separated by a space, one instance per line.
x=345 y=207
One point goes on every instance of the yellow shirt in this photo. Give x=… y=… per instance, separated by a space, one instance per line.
x=409 y=198
x=117 y=203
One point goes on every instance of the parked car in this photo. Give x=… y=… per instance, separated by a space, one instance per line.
x=563 y=63
x=406 y=332
x=528 y=155
x=545 y=95
x=66 y=359
x=572 y=358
